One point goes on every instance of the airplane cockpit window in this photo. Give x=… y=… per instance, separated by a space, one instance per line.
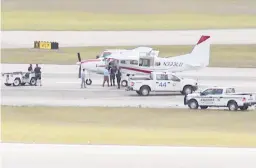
x=134 y=62
x=157 y=64
x=105 y=54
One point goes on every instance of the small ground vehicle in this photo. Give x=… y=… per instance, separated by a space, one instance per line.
x=220 y=97
x=161 y=82
x=19 y=78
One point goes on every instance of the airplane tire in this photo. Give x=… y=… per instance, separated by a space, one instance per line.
x=88 y=81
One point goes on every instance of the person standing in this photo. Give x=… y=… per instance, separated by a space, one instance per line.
x=106 y=77
x=83 y=75
x=112 y=75
x=118 y=77
x=30 y=68
x=38 y=74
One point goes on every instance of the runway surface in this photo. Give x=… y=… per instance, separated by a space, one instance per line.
x=60 y=91
x=25 y=39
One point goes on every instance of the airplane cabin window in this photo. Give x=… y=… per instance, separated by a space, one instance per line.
x=144 y=62
x=157 y=64
x=122 y=61
x=134 y=62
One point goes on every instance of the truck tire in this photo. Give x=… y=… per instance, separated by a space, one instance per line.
x=32 y=81
x=187 y=90
x=232 y=106
x=193 y=104
x=16 y=82
x=7 y=84
x=124 y=83
x=203 y=107
x=138 y=92
x=144 y=90
x=243 y=108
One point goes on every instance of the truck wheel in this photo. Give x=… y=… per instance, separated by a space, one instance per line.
x=32 y=81
x=144 y=90
x=203 y=107
x=187 y=90
x=232 y=106
x=124 y=83
x=243 y=108
x=88 y=81
x=16 y=82
x=7 y=84
x=193 y=104
x=138 y=92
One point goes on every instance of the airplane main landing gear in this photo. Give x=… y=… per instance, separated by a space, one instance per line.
x=88 y=81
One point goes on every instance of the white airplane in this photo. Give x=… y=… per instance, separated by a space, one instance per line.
x=108 y=52
x=134 y=62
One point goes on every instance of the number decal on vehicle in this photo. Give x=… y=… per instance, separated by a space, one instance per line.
x=162 y=84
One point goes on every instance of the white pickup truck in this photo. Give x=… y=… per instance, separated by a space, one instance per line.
x=161 y=82
x=220 y=97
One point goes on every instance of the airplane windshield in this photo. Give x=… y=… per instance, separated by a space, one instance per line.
x=105 y=54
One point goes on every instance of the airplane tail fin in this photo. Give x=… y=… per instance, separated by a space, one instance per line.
x=201 y=52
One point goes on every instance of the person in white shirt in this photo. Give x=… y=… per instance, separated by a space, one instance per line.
x=83 y=84
x=106 y=77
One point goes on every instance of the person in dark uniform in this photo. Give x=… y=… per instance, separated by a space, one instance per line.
x=112 y=75
x=118 y=77
x=38 y=73
x=30 y=68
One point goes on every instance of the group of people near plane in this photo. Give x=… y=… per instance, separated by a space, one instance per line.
x=111 y=75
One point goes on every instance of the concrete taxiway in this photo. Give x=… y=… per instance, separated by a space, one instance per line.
x=60 y=91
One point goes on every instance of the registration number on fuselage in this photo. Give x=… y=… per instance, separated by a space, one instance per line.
x=176 y=64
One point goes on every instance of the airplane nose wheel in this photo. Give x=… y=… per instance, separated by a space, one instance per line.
x=88 y=81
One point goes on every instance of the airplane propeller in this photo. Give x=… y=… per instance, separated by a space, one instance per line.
x=80 y=67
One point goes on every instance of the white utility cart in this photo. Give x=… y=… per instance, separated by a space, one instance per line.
x=19 y=78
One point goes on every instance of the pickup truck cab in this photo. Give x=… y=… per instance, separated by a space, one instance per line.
x=220 y=97
x=161 y=82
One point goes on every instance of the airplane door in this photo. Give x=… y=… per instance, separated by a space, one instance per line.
x=162 y=83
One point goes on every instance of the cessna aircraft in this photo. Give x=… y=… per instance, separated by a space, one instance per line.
x=108 y=52
x=134 y=62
